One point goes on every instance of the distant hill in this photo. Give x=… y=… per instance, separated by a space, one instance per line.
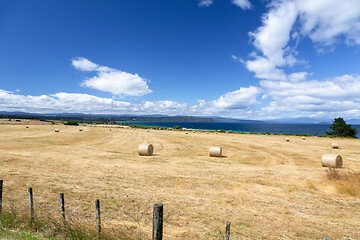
x=104 y=117
x=353 y=121
x=161 y=118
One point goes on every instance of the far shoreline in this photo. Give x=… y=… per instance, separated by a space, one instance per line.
x=294 y=129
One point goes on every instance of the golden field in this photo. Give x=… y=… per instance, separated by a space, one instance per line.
x=266 y=187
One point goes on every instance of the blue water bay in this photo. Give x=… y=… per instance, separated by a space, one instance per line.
x=256 y=127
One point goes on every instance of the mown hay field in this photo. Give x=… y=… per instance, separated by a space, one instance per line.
x=266 y=187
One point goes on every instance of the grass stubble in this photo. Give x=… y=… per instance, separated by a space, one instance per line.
x=266 y=187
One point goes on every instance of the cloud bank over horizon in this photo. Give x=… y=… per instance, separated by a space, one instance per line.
x=288 y=99
x=230 y=104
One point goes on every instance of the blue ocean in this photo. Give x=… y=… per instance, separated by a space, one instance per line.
x=256 y=127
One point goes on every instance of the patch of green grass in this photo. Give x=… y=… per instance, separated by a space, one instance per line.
x=115 y=152
x=10 y=228
x=6 y=234
x=14 y=227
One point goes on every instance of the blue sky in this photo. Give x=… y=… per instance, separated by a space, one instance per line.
x=249 y=59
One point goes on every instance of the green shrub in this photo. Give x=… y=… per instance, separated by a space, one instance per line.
x=341 y=129
x=71 y=122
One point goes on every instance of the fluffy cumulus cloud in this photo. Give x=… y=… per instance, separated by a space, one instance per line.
x=235 y=104
x=338 y=95
x=239 y=99
x=112 y=80
x=244 y=4
x=325 y=22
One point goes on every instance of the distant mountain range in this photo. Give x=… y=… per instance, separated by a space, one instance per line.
x=160 y=118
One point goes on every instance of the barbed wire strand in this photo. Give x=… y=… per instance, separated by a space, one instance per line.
x=54 y=210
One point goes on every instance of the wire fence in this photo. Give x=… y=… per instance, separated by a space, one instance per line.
x=93 y=220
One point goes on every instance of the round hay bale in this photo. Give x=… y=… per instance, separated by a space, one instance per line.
x=57 y=130
x=215 y=151
x=27 y=126
x=186 y=133
x=334 y=146
x=146 y=150
x=287 y=139
x=110 y=129
x=303 y=138
x=331 y=160
x=80 y=129
x=147 y=130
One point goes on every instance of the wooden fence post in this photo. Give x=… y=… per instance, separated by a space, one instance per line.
x=62 y=206
x=98 y=219
x=31 y=208
x=1 y=194
x=158 y=221
x=227 y=232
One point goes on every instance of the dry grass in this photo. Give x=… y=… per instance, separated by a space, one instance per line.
x=266 y=187
x=346 y=181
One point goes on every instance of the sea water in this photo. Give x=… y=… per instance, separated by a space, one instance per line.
x=257 y=127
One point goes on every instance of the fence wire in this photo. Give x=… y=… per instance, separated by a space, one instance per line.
x=115 y=223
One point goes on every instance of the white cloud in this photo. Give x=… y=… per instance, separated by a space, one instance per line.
x=298 y=76
x=84 y=103
x=164 y=107
x=118 y=83
x=273 y=36
x=205 y=3
x=265 y=69
x=112 y=80
x=83 y=64
x=235 y=104
x=244 y=4
x=232 y=104
x=325 y=22
x=239 y=99
x=335 y=95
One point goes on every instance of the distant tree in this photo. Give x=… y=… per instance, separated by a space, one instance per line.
x=71 y=122
x=341 y=129
x=177 y=127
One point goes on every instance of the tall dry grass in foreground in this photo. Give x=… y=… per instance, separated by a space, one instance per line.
x=347 y=181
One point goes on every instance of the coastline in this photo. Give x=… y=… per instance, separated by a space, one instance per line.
x=245 y=128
